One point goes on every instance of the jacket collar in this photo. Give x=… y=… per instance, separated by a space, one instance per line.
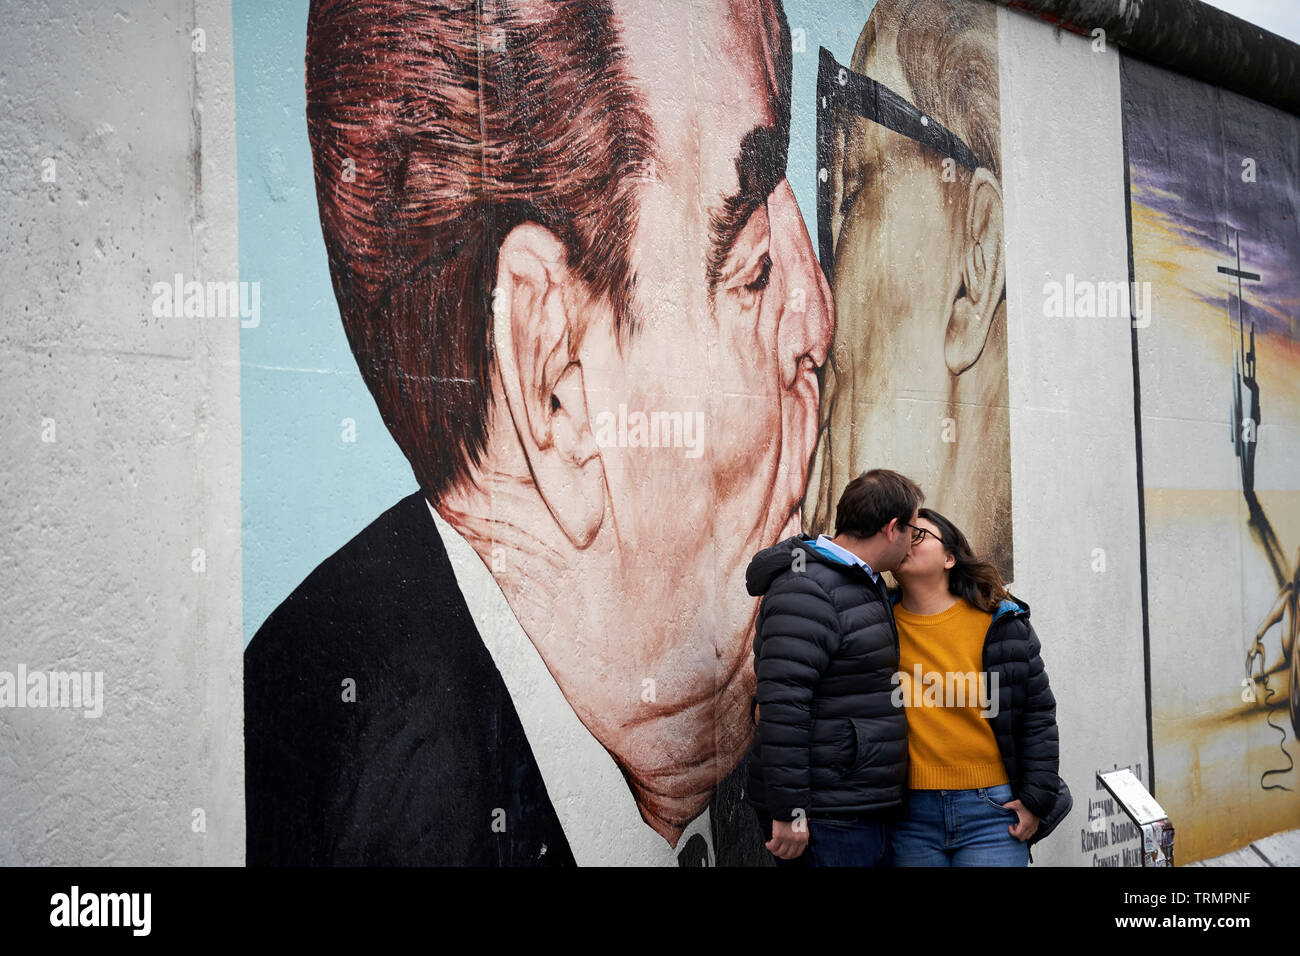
x=1012 y=608
x=825 y=546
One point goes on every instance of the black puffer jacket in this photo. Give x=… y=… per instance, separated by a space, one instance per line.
x=825 y=652
x=1025 y=724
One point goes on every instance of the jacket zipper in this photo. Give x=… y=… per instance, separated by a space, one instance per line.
x=884 y=595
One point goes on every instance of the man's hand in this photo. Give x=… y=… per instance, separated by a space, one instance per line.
x=1025 y=827
x=788 y=839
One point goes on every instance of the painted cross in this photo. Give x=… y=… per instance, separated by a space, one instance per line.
x=1245 y=427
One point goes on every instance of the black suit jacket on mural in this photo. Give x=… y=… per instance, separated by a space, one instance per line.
x=431 y=753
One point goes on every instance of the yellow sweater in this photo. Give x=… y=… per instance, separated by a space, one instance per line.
x=950 y=744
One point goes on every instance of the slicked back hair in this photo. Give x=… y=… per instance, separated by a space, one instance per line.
x=436 y=128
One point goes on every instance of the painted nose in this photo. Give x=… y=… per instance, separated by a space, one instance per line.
x=808 y=314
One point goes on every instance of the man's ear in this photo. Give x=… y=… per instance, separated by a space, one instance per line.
x=536 y=328
x=983 y=274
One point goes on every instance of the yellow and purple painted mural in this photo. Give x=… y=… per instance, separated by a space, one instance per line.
x=1215 y=192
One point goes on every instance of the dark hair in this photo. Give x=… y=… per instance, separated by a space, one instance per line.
x=972 y=578
x=435 y=129
x=873 y=499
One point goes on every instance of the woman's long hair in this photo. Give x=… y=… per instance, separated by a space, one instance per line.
x=972 y=578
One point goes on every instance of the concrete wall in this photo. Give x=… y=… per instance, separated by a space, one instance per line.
x=1074 y=482
x=122 y=438
x=1149 y=571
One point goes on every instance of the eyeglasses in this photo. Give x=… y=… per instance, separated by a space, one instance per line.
x=918 y=534
x=839 y=88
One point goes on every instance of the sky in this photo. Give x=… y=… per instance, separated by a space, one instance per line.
x=1277 y=16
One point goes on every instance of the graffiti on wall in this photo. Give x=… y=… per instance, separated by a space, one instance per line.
x=1214 y=193
x=578 y=286
x=910 y=234
x=576 y=282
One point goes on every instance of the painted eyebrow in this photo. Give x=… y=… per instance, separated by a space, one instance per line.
x=760 y=167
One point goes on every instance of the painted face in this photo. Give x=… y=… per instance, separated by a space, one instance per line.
x=895 y=243
x=737 y=360
x=909 y=231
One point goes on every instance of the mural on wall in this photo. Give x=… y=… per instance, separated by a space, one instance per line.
x=1271 y=657
x=910 y=234
x=1214 y=195
x=581 y=292
x=564 y=244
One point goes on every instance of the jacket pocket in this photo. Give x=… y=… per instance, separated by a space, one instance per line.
x=862 y=745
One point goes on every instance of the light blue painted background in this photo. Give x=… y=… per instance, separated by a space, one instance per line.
x=305 y=490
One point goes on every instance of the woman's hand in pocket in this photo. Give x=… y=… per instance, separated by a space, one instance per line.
x=1027 y=823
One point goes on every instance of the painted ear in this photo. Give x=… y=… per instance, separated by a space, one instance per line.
x=535 y=330
x=983 y=274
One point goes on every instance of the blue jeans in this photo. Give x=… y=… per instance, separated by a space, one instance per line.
x=838 y=843
x=958 y=828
